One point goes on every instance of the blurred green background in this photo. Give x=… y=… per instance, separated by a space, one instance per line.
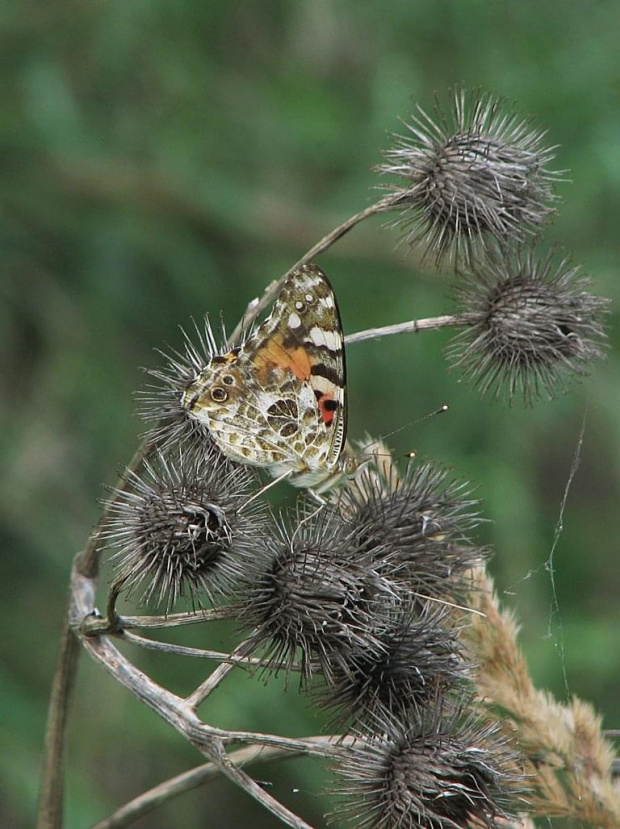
x=163 y=159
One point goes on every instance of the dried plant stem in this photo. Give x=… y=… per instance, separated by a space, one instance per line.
x=97 y=625
x=50 y=807
x=243 y=780
x=179 y=650
x=218 y=675
x=192 y=779
x=180 y=713
x=409 y=327
x=201 y=653
x=256 y=307
x=51 y=794
x=570 y=761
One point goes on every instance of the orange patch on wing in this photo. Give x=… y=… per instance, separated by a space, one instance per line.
x=293 y=359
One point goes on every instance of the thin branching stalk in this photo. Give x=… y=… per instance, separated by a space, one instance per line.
x=193 y=779
x=179 y=712
x=98 y=625
x=409 y=327
x=200 y=653
x=51 y=794
x=219 y=675
x=50 y=807
x=256 y=307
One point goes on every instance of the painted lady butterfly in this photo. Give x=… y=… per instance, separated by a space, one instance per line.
x=279 y=400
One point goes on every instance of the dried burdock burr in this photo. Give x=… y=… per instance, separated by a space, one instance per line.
x=415 y=526
x=450 y=769
x=473 y=174
x=533 y=325
x=184 y=527
x=308 y=596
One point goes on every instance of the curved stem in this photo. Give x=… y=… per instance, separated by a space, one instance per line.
x=99 y=625
x=256 y=307
x=179 y=713
x=201 y=653
x=255 y=790
x=189 y=780
x=86 y=563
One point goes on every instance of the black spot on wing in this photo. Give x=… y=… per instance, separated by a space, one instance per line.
x=318 y=348
x=329 y=373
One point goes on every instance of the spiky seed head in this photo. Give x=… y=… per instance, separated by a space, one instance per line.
x=307 y=597
x=420 y=659
x=476 y=173
x=533 y=325
x=181 y=528
x=415 y=527
x=159 y=403
x=446 y=770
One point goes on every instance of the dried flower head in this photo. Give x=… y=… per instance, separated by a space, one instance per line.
x=160 y=402
x=533 y=326
x=474 y=173
x=308 y=597
x=445 y=771
x=415 y=527
x=182 y=527
x=420 y=659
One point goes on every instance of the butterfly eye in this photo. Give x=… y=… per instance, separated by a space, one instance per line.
x=219 y=394
x=228 y=380
x=350 y=466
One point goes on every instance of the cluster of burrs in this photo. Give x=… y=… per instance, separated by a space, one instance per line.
x=366 y=596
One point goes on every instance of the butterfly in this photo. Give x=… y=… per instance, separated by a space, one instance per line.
x=279 y=400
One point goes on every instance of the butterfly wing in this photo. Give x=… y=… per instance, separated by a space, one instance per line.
x=282 y=393
x=300 y=351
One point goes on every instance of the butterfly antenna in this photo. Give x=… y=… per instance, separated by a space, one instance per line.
x=440 y=410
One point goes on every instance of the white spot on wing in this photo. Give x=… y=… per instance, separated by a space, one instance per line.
x=294 y=321
x=319 y=336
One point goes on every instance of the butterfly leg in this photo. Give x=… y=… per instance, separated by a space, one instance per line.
x=264 y=489
x=316 y=497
